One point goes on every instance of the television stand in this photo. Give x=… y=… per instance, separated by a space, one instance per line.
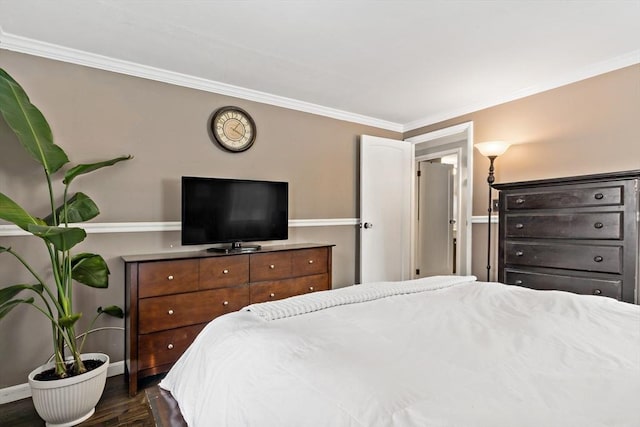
x=235 y=248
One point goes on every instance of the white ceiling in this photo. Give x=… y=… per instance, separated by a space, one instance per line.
x=398 y=64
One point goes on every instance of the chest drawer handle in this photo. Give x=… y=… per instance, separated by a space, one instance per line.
x=272 y=266
x=598 y=258
x=519 y=201
x=519 y=226
x=170 y=346
x=599 y=196
x=170 y=312
x=225 y=271
x=598 y=225
x=519 y=253
x=518 y=282
x=597 y=292
x=225 y=303
x=271 y=295
x=311 y=288
x=310 y=261
x=170 y=277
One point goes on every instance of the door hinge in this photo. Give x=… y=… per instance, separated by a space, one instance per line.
x=417 y=271
x=419 y=173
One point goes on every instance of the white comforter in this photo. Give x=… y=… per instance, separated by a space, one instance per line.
x=452 y=352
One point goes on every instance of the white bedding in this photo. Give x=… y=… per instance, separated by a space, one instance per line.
x=451 y=352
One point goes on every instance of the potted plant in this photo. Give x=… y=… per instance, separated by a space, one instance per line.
x=60 y=234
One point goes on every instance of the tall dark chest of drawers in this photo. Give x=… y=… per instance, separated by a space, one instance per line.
x=577 y=234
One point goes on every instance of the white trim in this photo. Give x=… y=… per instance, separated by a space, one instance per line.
x=589 y=71
x=140 y=227
x=323 y=222
x=482 y=219
x=23 y=391
x=29 y=46
x=440 y=133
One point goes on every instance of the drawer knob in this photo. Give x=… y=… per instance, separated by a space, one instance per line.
x=518 y=282
x=519 y=201
x=519 y=226
x=225 y=303
x=225 y=271
x=598 y=258
x=272 y=266
x=311 y=288
x=598 y=225
x=597 y=292
x=170 y=277
x=170 y=312
x=599 y=196
x=519 y=253
x=170 y=346
x=310 y=261
x=271 y=295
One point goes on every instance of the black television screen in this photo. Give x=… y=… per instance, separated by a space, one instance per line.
x=220 y=210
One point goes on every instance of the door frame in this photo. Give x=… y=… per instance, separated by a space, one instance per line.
x=465 y=179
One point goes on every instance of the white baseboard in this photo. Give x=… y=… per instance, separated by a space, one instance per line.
x=23 y=391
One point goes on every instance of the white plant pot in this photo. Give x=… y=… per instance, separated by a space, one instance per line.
x=69 y=401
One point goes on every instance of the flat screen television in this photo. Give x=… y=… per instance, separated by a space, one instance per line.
x=221 y=210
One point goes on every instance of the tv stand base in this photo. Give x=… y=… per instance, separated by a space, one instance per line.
x=235 y=248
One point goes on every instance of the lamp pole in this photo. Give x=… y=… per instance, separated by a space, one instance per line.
x=491 y=150
x=490 y=180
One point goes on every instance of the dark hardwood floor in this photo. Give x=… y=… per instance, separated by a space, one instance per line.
x=115 y=408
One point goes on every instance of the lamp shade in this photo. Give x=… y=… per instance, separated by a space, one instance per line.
x=492 y=148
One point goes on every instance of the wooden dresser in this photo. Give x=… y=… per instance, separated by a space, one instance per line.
x=577 y=234
x=170 y=297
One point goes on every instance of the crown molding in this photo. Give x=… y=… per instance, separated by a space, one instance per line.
x=626 y=60
x=33 y=47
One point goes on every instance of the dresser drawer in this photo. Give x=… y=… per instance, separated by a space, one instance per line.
x=568 y=198
x=272 y=291
x=167 y=277
x=579 y=285
x=571 y=257
x=270 y=266
x=174 y=311
x=309 y=261
x=598 y=225
x=224 y=271
x=161 y=348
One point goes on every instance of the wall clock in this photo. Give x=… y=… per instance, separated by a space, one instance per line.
x=233 y=129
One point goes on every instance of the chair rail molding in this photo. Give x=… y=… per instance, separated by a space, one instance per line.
x=142 y=227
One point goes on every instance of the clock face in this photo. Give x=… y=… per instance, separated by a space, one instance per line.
x=233 y=128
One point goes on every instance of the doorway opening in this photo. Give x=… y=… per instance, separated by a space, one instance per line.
x=436 y=214
x=442 y=215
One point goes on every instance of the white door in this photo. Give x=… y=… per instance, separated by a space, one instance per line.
x=435 y=219
x=386 y=184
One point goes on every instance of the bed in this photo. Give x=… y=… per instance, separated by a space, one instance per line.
x=438 y=351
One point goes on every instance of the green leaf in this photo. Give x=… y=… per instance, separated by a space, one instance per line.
x=11 y=291
x=7 y=307
x=112 y=310
x=12 y=212
x=90 y=270
x=70 y=320
x=29 y=125
x=80 y=208
x=3 y=249
x=62 y=238
x=90 y=167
